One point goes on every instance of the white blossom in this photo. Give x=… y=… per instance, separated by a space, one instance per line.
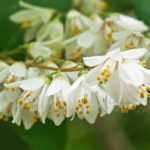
x=119 y=23
x=12 y=73
x=121 y=75
x=31 y=18
x=83 y=102
x=128 y=40
x=39 y=52
x=51 y=102
x=90 y=6
x=64 y=73
x=88 y=40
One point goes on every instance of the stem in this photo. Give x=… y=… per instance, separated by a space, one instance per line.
x=48 y=43
x=10 y=61
x=68 y=41
x=72 y=69
x=14 y=51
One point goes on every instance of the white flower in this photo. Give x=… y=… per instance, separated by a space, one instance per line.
x=31 y=90
x=90 y=6
x=89 y=41
x=82 y=101
x=31 y=18
x=25 y=107
x=16 y=71
x=121 y=75
x=39 y=51
x=128 y=40
x=44 y=103
x=7 y=98
x=76 y=23
x=106 y=103
x=119 y=23
x=52 y=103
x=33 y=72
x=131 y=24
x=53 y=30
x=22 y=115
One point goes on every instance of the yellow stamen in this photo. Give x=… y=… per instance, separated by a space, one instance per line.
x=26 y=24
x=127 y=108
x=104 y=76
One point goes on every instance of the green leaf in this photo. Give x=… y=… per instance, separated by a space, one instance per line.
x=10 y=36
x=142 y=9
x=44 y=136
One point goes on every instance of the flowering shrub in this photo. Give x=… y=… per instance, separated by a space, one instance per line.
x=82 y=64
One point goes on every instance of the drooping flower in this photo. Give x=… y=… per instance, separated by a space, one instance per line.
x=119 y=23
x=12 y=73
x=52 y=103
x=53 y=31
x=76 y=23
x=91 y=6
x=24 y=108
x=128 y=40
x=105 y=101
x=21 y=115
x=87 y=100
x=39 y=52
x=31 y=89
x=7 y=98
x=88 y=38
x=82 y=101
x=117 y=72
x=31 y=18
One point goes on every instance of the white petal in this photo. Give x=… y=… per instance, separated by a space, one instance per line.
x=57 y=119
x=33 y=72
x=7 y=97
x=94 y=60
x=16 y=114
x=134 y=53
x=131 y=74
x=30 y=34
x=4 y=74
x=44 y=103
x=91 y=77
x=113 y=87
x=131 y=24
x=37 y=51
x=86 y=40
x=91 y=117
x=28 y=119
x=146 y=73
x=72 y=95
x=18 y=70
x=105 y=101
x=23 y=15
x=32 y=84
x=56 y=86
x=131 y=96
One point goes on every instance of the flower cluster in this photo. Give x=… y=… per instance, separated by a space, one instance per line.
x=85 y=68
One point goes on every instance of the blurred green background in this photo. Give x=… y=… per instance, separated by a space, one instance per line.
x=118 y=131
